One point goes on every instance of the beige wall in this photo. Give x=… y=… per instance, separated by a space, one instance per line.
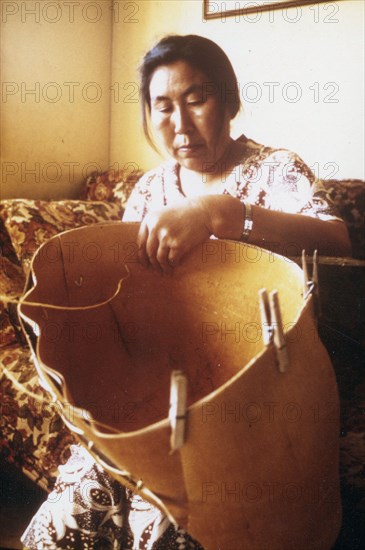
x=318 y=56
x=49 y=138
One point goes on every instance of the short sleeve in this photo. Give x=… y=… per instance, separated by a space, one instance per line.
x=155 y=189
x=281 y=181
x=148 y=193
x=321 y=205
x=136 y=207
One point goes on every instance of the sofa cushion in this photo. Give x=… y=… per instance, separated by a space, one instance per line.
x=32 y=434
x=30 y=223
x=6 y=248
x=112 y=185
x=12 y=282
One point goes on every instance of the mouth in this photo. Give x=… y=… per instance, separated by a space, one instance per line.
x=190 y=148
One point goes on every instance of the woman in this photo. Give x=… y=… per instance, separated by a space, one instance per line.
x=214 y=185
x=190 y=93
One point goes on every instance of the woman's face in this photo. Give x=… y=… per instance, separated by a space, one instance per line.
x=187 y=116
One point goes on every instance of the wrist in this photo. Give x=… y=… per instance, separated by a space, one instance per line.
x=205 y=209
x=225 y=214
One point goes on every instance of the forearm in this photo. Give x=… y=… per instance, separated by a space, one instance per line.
x=280 y=232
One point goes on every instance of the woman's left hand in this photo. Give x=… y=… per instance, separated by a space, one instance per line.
x=167 y=234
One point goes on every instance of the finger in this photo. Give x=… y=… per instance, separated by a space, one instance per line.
x=152 y=245
x=162 y=257
x=141 y=242
x=176 y=255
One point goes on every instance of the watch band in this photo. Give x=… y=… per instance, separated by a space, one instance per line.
x=248 y=223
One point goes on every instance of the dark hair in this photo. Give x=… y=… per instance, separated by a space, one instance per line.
x=199 y=52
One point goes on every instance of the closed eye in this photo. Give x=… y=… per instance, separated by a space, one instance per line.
x=164 y=109
x=162 y=105
x=198 y=101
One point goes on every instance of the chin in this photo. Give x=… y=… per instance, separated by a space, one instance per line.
x=194 y=164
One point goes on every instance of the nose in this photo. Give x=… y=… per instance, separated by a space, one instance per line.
x=181 y=120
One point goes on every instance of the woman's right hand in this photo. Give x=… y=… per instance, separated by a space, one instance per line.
x=166 y=235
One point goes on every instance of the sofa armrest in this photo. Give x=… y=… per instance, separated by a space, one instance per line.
x=349 y=198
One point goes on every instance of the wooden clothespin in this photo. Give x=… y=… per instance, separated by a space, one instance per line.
x=311 y=286
x=177 y=412
x=279 y=338
x=272 y=326
x=267 y=330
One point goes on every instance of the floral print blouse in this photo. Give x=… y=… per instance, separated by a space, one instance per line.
x=276 y=179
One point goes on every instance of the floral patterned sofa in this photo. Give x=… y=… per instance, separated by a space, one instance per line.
x=32 y=435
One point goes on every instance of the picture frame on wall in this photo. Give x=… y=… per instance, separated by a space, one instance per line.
x=213 y=9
